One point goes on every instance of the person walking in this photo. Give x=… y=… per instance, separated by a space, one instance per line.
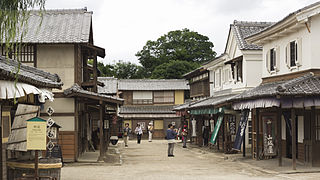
x=150 y=131
x=139 y=133
x=184 y=136
x=171 y=136
x=126 y=133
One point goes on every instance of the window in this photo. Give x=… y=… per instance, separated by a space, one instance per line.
x=293 y=53
x=272 y=59
x=142 y=97
x=226 y=75
x=239 y=71
x=24 y=53
x=218 y=78
x=163 y=97
x=318 y=128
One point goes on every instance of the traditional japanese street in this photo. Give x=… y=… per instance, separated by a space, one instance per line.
x=149 y=160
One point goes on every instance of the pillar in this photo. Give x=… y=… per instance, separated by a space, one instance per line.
x=294 y=139
x=279 y=115
x=102 y=149
x=257 y=134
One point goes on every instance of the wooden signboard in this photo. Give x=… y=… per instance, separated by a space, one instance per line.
x=36 y=134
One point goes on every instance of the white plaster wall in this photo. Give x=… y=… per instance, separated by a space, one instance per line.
x=310 y=48
x=60 y=105
x=300 y=129
x=57 y=59
x=252 y=68
x=66 y=122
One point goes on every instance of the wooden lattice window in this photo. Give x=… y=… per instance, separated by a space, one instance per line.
x=25 y=53
x=163 y=97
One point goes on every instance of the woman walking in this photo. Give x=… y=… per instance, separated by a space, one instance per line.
x=139 y=133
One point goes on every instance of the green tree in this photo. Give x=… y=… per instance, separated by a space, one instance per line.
x=106 y=70
x=173 y=69
x=128 y=70
x=184 y=45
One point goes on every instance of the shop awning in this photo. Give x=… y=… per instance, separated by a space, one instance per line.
x=207 y=111
x=11 y=89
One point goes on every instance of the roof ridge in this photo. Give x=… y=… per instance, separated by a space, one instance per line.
x=252 y=23
x=62 y=11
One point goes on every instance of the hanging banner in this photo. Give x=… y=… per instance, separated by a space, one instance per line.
x=269 y=135
x=287 y=118
x=216 y=129
x=241 y=129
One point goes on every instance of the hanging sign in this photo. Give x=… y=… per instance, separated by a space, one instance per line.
x=269 y=135
x=36 y=134
x=216 y=129
x=50 y=111
x=232 y=125
x=241 y=129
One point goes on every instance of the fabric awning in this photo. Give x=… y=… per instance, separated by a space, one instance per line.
x=10 y=90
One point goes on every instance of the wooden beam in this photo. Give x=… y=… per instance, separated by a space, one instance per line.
x=95 y=72
x=294 y=141
x=102 y=152
x=313 y=132
x=257 y=134
x=279 y=115
x=1 y=168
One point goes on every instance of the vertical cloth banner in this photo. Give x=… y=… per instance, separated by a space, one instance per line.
x=216 y=129
x=287 y=117
x=241 y=129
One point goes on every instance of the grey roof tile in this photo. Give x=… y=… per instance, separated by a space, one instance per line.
x=306 y=85
x=243 y=29
x=77 y=89
x=152 y=84
x=28 y=74
x=211 y=101
x=58 y=26
x=146 y=109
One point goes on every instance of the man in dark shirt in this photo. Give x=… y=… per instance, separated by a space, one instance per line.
x=171 y=136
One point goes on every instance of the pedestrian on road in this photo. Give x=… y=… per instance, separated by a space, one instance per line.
x=139 y=133
x=184 y=136
x=171 y=136
x=126 y=133
x=150 y=131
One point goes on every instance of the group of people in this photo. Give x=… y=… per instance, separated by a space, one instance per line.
x=171 y=135
x=138 y=131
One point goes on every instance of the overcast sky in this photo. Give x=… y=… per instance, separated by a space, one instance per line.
x=123 y=27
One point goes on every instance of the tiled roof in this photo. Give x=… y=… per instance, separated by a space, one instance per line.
x=110 y=85
x=152 y=84
x=285 y=18
x=28 y=74
x=146 y=109
x=76 y=90
x=243 y=29
x=58 y=26
x=305 y=85
x=211 y=101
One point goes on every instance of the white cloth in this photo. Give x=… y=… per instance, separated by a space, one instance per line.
x=150 y=136
x=138 y=130
x=171 y=141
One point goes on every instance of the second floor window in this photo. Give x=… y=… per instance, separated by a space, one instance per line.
x=142 y=97
x=272 y=59
x=26 y=53
x=294 y=53
x=163 y=97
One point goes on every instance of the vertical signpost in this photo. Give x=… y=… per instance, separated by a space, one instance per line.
x=51 y=133
x=36 y=138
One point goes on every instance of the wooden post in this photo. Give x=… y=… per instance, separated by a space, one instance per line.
x=244 y=145
x=294 y=135
x=257 y=134
x=279 y=121
x=1 y=168
x=95 y=72
x=102 y=153
x=36 y=163
x=313 y=133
